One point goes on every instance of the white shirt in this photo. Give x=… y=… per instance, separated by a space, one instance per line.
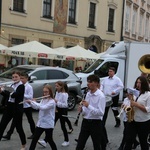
x=109 y=85
x=96 y=107
x=139 y=115
x=46 y=113
x=62 y=99
x=28 y=94
x=14 y=86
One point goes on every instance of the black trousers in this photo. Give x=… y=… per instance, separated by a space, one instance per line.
x=115 y=101
x=137 y=128
x=91 y=128
x=12 y=113
x=62 y=119
x=28 y=112
x=58 y=115
x=125 y=135
x=49 y=137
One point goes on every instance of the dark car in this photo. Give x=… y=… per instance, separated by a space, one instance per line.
x=40 y=75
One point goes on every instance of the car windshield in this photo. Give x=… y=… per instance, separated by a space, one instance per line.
x=93 y=66
x=8 y=74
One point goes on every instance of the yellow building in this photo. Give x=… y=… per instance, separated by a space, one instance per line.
x=93 y=24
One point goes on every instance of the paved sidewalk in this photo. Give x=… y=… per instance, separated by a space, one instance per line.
x=114 y=134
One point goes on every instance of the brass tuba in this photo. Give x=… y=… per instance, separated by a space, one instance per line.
x=144 y=64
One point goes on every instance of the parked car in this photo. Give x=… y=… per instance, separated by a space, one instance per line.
x=40 y=75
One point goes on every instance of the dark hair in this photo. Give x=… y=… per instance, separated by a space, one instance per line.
x=92 y=78
x=66 y=87
x=112 y=68
x=144 y=84
x=24 y=74
x=60 y=83
x=16 y=72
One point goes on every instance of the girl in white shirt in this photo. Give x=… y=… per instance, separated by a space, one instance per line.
x=61 y=99
x=46 y=117
x=140 y=125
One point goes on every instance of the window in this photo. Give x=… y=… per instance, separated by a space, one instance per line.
x=103 y=70
x=111 y=20
x=15 y=41
x=47 y=6
x=92 y=15
x=41 y=75
x=47 y=44
x=72 y=12
x=134 y=20
x=147 y=27
x=56 y=74
x=127 y=17
x=18 y=5
x=141 y=24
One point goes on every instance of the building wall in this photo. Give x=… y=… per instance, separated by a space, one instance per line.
x=30 y=25
x=136 y=25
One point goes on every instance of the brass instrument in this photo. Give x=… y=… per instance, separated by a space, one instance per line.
x=144 y=64
x=130 y=111
x=121 y=111
x=6 y=86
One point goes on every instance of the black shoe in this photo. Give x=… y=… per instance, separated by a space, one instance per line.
x=30 y=137
x=117 y=125
x=6 y=137
x=76 y=140
x=70 y=131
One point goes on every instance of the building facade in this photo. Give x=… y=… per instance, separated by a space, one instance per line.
x=93 y=24
x=136 y=26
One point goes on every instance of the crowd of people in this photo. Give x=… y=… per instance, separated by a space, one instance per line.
x=92 y=107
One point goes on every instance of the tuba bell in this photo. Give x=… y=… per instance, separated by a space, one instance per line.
x=144 y=64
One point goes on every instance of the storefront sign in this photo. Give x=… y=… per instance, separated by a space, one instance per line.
x=17 y=53
x=59 y=57
x=42 y=55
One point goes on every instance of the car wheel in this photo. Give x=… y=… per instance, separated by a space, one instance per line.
x=71 y=101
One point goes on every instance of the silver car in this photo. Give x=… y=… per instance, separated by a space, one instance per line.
x=40 y=75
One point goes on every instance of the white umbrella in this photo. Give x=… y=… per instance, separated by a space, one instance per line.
x=79 y=53
x=2 y=49
x=34 y=49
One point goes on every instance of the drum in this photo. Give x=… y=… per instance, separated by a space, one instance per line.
x=108 y=101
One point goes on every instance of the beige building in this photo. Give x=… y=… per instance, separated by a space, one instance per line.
x=136 y=25
x=93 y=24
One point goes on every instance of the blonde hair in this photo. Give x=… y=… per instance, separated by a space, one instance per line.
x=47 y=86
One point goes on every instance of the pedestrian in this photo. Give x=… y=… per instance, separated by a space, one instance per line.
x=26 y=107
x=141 y=122
x=61 y=99
x=92 y=109
x=111 y=86
x=13 y=109
x=126 y=104
x=46 y=118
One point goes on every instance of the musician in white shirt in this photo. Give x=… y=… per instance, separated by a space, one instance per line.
x=27 y=108
x=46 y=118
x=92 y=109
x=111 y=86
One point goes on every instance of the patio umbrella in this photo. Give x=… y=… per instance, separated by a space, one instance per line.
x=79 y=53
x=34 y=49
